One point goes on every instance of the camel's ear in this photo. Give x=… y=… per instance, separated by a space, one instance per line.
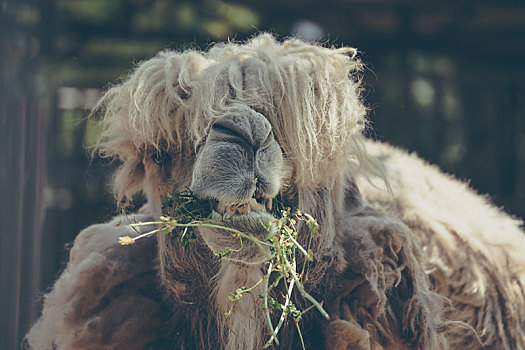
x=128 y=179
x=156 y=183
x=352 y=199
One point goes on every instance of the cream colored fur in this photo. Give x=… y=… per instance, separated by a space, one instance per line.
x=473 y=252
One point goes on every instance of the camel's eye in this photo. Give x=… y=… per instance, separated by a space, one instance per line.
x=160 y=157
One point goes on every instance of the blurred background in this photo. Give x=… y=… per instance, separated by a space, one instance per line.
x=444 y=78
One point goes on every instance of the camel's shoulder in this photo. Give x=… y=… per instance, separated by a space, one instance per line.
x=107 y=295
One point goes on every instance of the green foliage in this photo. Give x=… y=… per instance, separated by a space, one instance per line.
x=27 y=15
x=96 y=11
x=230 y=17
x=183 y=208
x=184 y=212
x=120 y=49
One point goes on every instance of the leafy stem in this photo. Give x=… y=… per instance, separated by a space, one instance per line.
x=281 y=247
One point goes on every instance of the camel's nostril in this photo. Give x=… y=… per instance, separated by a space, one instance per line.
x=221 y=131
x=268 y=141
x=244 y=126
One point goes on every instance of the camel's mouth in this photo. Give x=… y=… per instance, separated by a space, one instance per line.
x=254 y=205
x=252 y=216
x=258 y=203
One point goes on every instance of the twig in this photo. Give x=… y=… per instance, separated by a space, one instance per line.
x=283 y=316
x=266 y=309
x=305 y=294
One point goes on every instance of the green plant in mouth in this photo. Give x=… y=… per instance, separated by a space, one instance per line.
x=185 y=211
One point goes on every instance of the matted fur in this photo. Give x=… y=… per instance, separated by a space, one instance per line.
x=474 y=252
x=376 y=249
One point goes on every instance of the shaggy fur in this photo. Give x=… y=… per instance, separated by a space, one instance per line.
x=427 y=265
x=473 y=252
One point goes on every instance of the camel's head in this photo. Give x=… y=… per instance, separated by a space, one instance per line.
x=238 y=124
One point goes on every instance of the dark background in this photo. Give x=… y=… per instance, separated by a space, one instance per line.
x=444 y=78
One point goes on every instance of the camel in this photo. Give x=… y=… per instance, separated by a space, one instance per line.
x=407 y=257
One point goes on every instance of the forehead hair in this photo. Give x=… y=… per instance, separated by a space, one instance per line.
x=310 y=94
